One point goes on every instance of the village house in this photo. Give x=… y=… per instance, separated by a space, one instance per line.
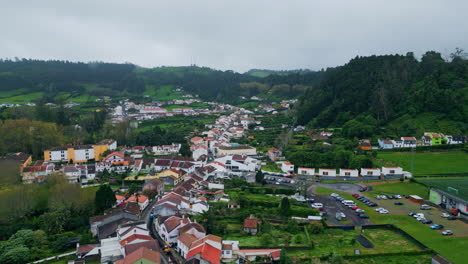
x=349 y=173
x=274 y=154
x=236 y=149
x=167 y=149
x=306 y=171
x=370 y=172
x=251 y=225
x=287 y=167
x=409 y=142
x=155 y=185
x=327 y=172
x=385 y=144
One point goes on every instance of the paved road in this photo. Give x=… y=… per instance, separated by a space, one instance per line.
x=342 y=187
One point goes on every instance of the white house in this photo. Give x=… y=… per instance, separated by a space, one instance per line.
x=327 y=172
x=349 y=173
x=397 y=143
x=370 y=172
x=167 y=149
x=385 y=143
x=199 y=151
x=168 y=230
x=306 y=171
x=287 y=167
x=124 y=231
x=409 y=142
x=388 y=171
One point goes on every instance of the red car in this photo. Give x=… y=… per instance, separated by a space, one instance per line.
x=355 y=208
x=356 y=195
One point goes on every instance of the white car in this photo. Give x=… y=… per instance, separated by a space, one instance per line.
x=384 y=211
x=445 y=215
x=398 y=196
x=334 y=195
x=379 y=209
x=384 y=197
x=317 y=205
x=418 y=215
x=447 y=233
x=359 y=211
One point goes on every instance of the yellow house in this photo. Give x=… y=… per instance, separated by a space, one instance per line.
x=80 y=153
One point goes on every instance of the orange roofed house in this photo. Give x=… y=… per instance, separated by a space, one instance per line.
x=251 y=225
x=274 y=154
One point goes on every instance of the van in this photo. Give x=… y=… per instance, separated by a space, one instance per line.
x=425 y=207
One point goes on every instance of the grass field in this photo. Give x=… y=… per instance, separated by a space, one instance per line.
x=461 y=186
x=22 y=99
x=163 y=93
x=428 y=163
x=402 y=188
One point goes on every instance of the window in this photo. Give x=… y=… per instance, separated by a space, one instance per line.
x=392 y=171
x=325 y=173
x=347 y=174
x=369 y=173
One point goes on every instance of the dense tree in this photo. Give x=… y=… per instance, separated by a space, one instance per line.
x=285 y=207
x=105 y=198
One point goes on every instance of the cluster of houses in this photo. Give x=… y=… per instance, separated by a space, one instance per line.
x=428 y=139
x=216 y=141
x=149 y=111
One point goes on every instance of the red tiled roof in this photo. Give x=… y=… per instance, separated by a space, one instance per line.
x=141 y=253
x=115 y=154
x=187 y=239
x=250 y=223
x=85 y=249
x=153 y=245
x=207 y=252
x=133 y=238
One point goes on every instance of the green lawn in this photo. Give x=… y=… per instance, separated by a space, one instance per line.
x=403 y=188
x=273 y=167
x=427 y=163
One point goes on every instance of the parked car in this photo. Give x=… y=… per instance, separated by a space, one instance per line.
x=398 y=196
x=363 y=189
x=316 y=205
x=418 y=215
x=356 y=195
x=411 y=213
x=445 y=215
x=384 y=211
x=425 y=207
x=334 y=195
x=447 y=233
x=378 y=209
x=398 y=203
x=359 y=211
x=363 y=216
x=436 y=226
x=451 y=217
x=426 y=221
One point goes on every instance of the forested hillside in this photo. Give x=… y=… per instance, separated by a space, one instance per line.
x=396 y=91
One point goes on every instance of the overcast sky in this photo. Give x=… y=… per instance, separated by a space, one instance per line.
x=229 y=34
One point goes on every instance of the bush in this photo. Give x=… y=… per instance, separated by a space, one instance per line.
x=315 y=228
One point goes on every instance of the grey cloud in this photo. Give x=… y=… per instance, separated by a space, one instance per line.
x=236 y=35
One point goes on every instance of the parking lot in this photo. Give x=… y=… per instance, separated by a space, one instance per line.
x=333 y=206
x=458 y=227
